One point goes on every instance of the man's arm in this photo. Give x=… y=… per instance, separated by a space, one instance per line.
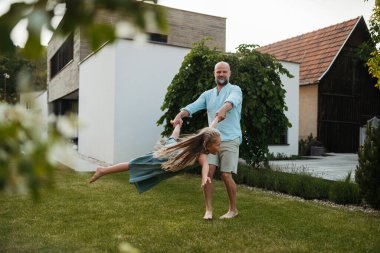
x=178 y=118
x=222 y=112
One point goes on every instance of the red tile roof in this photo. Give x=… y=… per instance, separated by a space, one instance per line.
x=315 y=51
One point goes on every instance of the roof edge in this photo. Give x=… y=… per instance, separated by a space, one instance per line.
x=341 y=48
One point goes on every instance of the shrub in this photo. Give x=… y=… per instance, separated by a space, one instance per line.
x=368 y=171
x=258 y=76
x=345 y=192
x=296 y=184
x=304 y=146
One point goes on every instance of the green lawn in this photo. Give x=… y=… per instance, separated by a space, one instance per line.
x=78 y=217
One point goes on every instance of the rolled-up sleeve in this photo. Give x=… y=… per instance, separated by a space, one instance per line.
x=235 y=97
x=197 y=105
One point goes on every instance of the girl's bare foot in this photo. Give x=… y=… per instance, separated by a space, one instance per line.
x=208 y=215
x=98 y=173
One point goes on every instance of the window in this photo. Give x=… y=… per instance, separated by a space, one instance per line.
x=63 y=56
x=156 y=37
x=283 y=139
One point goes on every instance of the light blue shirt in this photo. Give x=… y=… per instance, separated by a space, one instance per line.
x=211 y=100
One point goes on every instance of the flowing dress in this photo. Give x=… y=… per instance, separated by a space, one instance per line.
x=146 y=172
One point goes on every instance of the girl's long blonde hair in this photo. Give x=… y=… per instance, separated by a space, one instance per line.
x=187 y=150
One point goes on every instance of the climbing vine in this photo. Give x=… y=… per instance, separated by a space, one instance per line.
x=258 y=75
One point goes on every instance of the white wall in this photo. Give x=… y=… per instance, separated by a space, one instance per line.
x=121 y=90
x=97 y=105
x=291 y=86
x=143 y=75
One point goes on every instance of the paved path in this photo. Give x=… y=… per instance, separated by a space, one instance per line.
x=333 y=166
x=79 y=162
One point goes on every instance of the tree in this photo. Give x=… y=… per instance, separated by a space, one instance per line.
x=373 y=62
x=367 y=173
x=17 y=67
x=263 y=119
x=81 y=14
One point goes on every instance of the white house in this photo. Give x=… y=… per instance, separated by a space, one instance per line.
x=122 y=88
x=291 y=85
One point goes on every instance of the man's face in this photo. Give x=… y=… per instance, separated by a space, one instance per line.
x=222 y=74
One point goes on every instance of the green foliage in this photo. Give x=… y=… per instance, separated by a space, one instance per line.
x=368 y=171
x=296 y=184
x=304 y=146
x=81 y=14
x=345 y=192
x=300 y=184
x=24 y=74
x=28 y=148
x=263 y=119
x=373 y=62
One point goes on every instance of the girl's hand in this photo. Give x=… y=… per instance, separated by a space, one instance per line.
x=216 y=121
x=205 y=181
x=175 y=123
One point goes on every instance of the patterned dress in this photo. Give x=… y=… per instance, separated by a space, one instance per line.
x=146 y=172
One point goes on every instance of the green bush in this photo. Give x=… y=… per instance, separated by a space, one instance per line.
x=296 y=184
x=304 y=146
x=343 y=192
x=368 y=171
x=302 y=185
x=258 y=76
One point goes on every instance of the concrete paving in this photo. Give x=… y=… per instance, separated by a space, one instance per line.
x=333 y=166
x=79 y=162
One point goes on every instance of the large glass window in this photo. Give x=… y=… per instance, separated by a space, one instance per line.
x=62 y=57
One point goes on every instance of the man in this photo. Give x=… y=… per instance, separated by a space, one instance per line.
x=223 y=103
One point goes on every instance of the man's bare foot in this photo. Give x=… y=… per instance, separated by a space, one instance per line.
x=208 y=215
x=229 y=215
x=98 y=173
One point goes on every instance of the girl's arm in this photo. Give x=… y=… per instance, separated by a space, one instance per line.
x=202 y=159
x=176 y=131
x=216 y=121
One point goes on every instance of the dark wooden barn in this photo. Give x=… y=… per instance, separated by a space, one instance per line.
x=337 y=95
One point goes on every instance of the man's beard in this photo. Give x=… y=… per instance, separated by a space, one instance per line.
x=221 y=81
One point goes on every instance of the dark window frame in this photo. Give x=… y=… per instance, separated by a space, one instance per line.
x=62 y=57
x=157 y=37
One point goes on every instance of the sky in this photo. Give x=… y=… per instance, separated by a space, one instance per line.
x=258 y=21
x=267 y=21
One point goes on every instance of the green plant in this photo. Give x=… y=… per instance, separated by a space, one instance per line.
x=373 y=62
x=41 y=14
x=367 y=173
x=304 y=146
x=257 y=75
x=29 y=146
x=345 y=192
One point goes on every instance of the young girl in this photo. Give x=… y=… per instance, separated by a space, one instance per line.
x=150 y=169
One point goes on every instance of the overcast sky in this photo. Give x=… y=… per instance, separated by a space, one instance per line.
x=261 y=21
x=266 y=21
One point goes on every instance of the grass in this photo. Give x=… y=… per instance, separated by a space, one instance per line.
x=78 y=217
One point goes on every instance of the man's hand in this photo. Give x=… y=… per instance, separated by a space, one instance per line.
x=223 y=110
x=178 y=118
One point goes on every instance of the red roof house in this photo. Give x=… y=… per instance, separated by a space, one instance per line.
x=337 y=95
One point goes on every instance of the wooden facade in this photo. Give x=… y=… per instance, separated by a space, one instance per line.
x=347 y=97
x=337 y=94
